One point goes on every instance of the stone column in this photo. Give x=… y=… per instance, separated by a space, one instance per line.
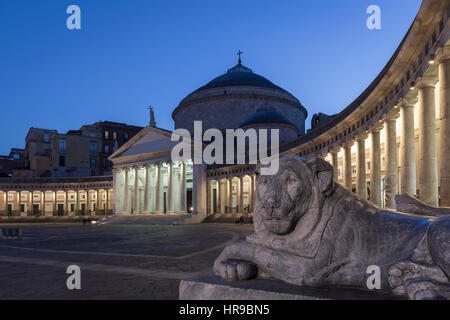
x=158 y=177
x=146 y=189
x=428 y=171
x=30 y=203
x=183 y=188
x=375 y=165
x=361 y=181
x=208 y=198
x=241 y=195
x=251 y=193
x=99 y=202
x=335 y=163
x=135 y=197
x=88 y=201
x=169 y=189
x=407 y=149
x=66 y=202
x=444 y=131
x=218 y=197
x=230 y=192
x=125 y=191
x=391 y=166
x=42 y=202
x=347 y=167
x=77 y=199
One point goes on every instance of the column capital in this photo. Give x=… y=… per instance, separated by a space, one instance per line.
x=362 y=136
x=335 y=150
x=443 y=53
x=393 y=114
x=408 y=101
x=427 y=81
x=377 y=127
x=347 y=144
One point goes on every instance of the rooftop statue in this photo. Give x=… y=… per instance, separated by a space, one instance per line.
x=310 y=231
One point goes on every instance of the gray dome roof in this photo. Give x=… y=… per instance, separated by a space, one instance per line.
x=240 y=75
x=267 y=117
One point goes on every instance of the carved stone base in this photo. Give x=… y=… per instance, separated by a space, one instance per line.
x=210 y=287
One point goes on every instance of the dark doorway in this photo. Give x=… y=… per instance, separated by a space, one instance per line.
x=214 y=201
x=83 y=209
x=164 y=201
x=10 y=212
x=60 y=209
x=35 y=209
x=189 y=200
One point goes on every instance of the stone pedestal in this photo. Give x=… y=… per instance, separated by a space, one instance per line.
x=210 y=287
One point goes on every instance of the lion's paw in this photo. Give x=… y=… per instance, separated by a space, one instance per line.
x=417 y=281
x=236 y=270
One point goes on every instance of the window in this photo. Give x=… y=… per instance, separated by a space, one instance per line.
x=46 y=137
x=62 y=145
x=16 y=156
x=106 y=134
x=72 y=207
x=62 y=161
x=22 y=208
x=107 y=148
x=93 y=147
x=125 y=135
x=115 y=135
x=93 y=163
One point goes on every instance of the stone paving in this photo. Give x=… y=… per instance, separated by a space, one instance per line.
x=116 y=261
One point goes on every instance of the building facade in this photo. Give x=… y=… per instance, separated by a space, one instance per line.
x=393 y=139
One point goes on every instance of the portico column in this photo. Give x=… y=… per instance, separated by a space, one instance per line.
x=54 y=203
x=135 y=192
x=98 y=205
x=30 y=203
x=361 y=181
x=347 y=167
x=125 y=191
x=444 y=131
x=391 y=166
x=183 y=188
x=158 y=177
x=230 y=191
x=169 y=188
x=146 y=188
x=250 y=193
x=428 y=171
x=241 y=194
x=407 y=149
x=66 y=203
x=77 y=199
x=335 y=163
x=375 y=165
x=208 y=197
x=218 y=197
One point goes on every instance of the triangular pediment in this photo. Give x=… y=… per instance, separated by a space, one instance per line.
x=148 y=140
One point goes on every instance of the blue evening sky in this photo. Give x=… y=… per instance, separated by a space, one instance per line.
x=133 y=53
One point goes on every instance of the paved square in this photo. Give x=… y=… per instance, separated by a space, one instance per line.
x=116 y=261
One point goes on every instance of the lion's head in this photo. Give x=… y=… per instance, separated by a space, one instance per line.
x=299 y=186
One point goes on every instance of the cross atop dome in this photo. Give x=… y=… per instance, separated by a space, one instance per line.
x=239 y=53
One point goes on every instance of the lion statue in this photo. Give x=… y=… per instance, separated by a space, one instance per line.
x=310 y=231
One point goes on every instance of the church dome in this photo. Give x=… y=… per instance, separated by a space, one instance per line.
x=229 y=99
x=240 y=76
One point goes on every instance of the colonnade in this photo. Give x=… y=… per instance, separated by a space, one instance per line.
x=231 y=195
x=80 y=202
x=161 y=188
x=412 y=161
